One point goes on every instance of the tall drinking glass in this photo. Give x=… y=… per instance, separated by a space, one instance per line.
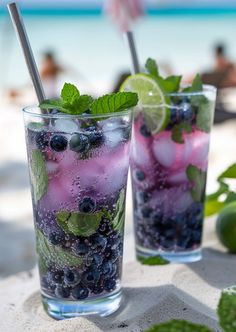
x=78 y=170
x=169 y=169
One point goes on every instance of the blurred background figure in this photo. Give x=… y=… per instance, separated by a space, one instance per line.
x=222 y=62
x=49 y=72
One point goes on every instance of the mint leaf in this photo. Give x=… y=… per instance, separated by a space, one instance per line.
x=197 y=84
x=69 y=93
x=178 y=326
x=50 y=254
x=172 y=84
x=39 y=176
x=205 y=112
x=119 y=219
x=151 y=67
x=79 y=224
x=115 y=102
x=178 y=130
x=223 y=188
x=231 y=197
x=212 y=207
x=227 y=309
x=198 y=179
x=229 y=173
x=52 y=104
x=154 y=260
x=82 y=104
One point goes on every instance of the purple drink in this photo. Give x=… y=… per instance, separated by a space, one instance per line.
x=169 y=169
x=78 y=170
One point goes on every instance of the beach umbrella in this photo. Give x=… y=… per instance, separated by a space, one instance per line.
x=124 y=13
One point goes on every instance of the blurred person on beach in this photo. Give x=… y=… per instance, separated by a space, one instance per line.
x=222 y=62
x=49 y=72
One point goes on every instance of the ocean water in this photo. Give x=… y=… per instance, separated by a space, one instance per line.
x=94 y=52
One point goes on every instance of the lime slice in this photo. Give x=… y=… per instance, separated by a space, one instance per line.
x=151 y=96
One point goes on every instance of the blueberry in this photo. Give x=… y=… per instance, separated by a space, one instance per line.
x=54 y=111
x=80 y=293
x=110 y=285
x=146 y=212
x=41 y=140
x=112 y=254
x=71 y=277
x=105 y=227
x=97 y=259
x=98 y=242
x=196 y=236
x=79 y=143
x=145 y=131
x=106 y=267
x=186 y=112
x=56 y=238
x=139 y=175
x=62 y=291
x=81 y=248
x=91 y=277
x=58 y=143
x=97 y=289
x=57 y=276
x=142 y=197
x=95 y=136
x=88 y=205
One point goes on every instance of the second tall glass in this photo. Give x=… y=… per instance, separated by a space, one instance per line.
x=169 y=169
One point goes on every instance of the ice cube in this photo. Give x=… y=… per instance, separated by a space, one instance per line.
x=113 y=137
x=164 y=150
x=66 y=125
x=110 y=124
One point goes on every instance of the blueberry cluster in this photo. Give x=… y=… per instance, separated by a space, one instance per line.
x=100 y=271
x=91 y=137
x=179 y=232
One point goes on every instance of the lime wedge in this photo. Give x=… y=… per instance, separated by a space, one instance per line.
x=151 y=96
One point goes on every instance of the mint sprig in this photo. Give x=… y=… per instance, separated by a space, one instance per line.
x=178 y=130
x=119 y=218
x=49 y=254
x=223 y=195
x=115 y=102
x=178 y=326
x=227 y=309
x=79 y=224
x=154 y=260
x=170 y=84
x=39 y=175
x=72 y=102
x=198 y=179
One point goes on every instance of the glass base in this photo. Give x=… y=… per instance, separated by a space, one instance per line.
x=102 y=306
x=189 y=256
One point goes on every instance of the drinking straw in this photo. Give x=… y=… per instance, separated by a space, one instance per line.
x=129 y=36
x=26 y=48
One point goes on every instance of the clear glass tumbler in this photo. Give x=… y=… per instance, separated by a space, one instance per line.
x=169 y=158
x=78 y=170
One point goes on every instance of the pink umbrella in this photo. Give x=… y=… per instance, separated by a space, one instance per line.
x=124 y=12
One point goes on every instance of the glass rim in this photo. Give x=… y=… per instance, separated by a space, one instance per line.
x=30 y=110
x=206 y=88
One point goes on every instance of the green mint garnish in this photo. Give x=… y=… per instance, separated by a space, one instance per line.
x=223 y=195
x=119 y=218
x=204 y=114
x=79 y=224
x=115 y=102
x=152 y=67
x=227 y=309
x=155 y=260
x=198 y=179
x=178 y=326
x=39 y=174
x=170 y=84
x=50 y=254
x=178 y=130
x=72 y=102
x=197 y=85
x=229 y=173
